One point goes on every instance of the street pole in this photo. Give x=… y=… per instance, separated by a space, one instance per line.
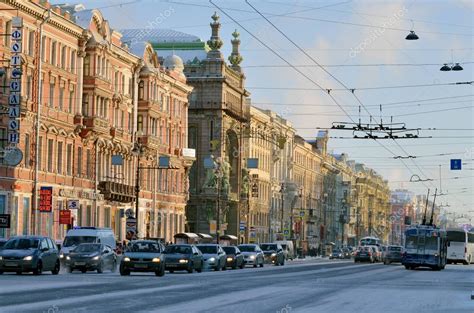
x=247 y=229
x=282 y=206
x=218 y=223
x=137 y=192
x=38 y=124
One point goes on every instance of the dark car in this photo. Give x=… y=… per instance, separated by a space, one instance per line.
x=273 y=253
x=393 y=254
x=336 y=254
x=91 y=257
x=2 y=242
x=234 y=257
x=143 y=256
x=183 y=258
x=364 y=254
x=29 y=254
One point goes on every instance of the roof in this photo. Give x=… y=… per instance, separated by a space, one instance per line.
x=157 y=36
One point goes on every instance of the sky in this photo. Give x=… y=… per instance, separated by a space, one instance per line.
x=344 y=37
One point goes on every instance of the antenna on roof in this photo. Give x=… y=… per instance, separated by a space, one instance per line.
x=432 y=208
x=426 y=208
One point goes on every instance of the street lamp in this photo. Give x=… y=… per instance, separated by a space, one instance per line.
x=138 y=150
x=282 y=191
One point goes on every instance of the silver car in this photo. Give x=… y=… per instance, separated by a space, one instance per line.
x=253 y=255
x=213 y=255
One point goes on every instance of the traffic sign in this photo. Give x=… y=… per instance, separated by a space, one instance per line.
x=73 y=204
x=302 y=213
x=242 y=227
x=13 y=156
x=4 y=220
x=456 y=164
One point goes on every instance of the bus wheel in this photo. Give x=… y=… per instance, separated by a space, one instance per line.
x=407 y=267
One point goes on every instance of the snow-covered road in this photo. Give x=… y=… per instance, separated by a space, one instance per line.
x=299 y=286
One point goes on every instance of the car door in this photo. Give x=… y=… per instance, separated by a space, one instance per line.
x=54 y=252
x=195 y=257
x=45 y=254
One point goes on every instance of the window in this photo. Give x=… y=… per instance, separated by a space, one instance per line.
x=61 y=98
x=8 y=30
x=27 y=151
x=107 y=217
x=89 y=215
x=87 y=66
x=85 y=104
x=43 y=49
x=140 y=123
x=53 y=53
x=26 y=214
x=60 y=158
x=69 y=159
x=40 y=153
x=29 y=86
x=79 y=161
x=88 y=164
x=73 y=61
x=116 y=81
x=31 y=42
x=50 y=155
x=141 y=90
x=63 y=57
x=51 y=92
x=71 y=101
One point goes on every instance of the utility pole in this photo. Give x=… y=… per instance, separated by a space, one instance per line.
x=38 y=122
x=282 y=191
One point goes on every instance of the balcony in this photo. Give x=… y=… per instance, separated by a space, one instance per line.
x=119 y=192
x=97 y=124
x=150 y=141
x=116 y=132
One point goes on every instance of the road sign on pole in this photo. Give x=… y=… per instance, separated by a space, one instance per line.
x=456 y=164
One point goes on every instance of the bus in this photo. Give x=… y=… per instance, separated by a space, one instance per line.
x=370 y=241
x=425 y=246
x=460 y=246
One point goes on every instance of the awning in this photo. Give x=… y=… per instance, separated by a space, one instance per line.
x=186 y=235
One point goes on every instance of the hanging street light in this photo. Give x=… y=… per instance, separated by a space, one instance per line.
x=457 y=67
x=412 y=36
x=445 y=68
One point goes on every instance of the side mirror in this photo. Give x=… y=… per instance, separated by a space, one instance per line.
x=195 y=253
x=44 y=249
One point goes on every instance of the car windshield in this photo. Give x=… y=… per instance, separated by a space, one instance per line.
x=143 y=247
x=208 y=249
x=77 y=240
x=247 y=248
x=229 y=250
x=337 y=251
x=178 y=249
x=87 y=248
x=283 y=246
x=2 y=243
x=269 y=247
x=22 y=243
x=397 y=249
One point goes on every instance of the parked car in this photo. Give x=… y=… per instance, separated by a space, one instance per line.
x=183 y=257
x=78 y=235
x=143 y=256
x=35 y=254
x=336 y=254
x=213 y=256
x=234 y=257
x=273 y=253
x=346 y=253
x=377 y=253
x=393 y=254
x=91 y=257
x=2 y=242
x=288 y=248
x=364 y=254
x=253 y=255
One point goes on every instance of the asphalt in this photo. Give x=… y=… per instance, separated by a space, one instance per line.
x=317 y=285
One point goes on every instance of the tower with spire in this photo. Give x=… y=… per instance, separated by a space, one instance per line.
x=215 y=42
x=235 y=58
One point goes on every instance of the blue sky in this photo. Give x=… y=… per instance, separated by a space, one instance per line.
x=346 y=33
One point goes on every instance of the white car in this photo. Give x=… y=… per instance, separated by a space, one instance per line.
x=253 y=255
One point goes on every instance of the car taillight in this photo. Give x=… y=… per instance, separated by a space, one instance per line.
x=370 y=253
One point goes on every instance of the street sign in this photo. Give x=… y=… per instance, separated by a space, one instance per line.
x=4 y=220
x=65 y=217
x=117 y=159
x=13 y=124
x=16 y=73
x=17 y=22
x=164 y=162
x=13 y=156
x=14 y=98
x=301 y=213
x=212 y=227
x=129 y=213
x=456 y=164
x=73 y=204
x=130 y=228
x=16 y=34
x=242 y=228
x=16 y=47
x=46 y=199
x=252 y=163
x=14 y=111
x=286 y=232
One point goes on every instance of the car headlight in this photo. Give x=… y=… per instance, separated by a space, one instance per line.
x=212 y=259
x=274 y=254
x=61 y=256
x=340 y=254
x=1 y=258
x=230 y=259
x=68 y=258
x=28 y=258
x=252 y=257
x=183 y=261
x=126 y=259
x=157 y=260
x=95 y=258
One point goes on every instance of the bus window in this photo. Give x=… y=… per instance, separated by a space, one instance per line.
x=411 y=242
x=431 y=243
x=457 y=236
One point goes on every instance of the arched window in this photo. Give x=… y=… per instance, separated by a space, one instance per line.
x=141 y=90
x=140 y=122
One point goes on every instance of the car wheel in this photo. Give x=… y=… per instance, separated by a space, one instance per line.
x=39 y=268
x=234 y=266
x=100 y=267
x=255 y=265
x=124 y=272
x=242 y=265
x=217 y=268
x=171 y=271
x=191 y=268
x=261 y=264
x=160 y=272
x=283 y=262
x=56 y=268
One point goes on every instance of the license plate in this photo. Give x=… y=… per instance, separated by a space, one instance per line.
x=172 y=265
x=140 y=265
x=80 y=263
x=11 y=264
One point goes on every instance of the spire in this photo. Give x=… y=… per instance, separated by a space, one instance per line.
x=235 y=58
x=215 y=42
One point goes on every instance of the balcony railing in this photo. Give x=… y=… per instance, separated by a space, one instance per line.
x=97 y=124
x=115 y=191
